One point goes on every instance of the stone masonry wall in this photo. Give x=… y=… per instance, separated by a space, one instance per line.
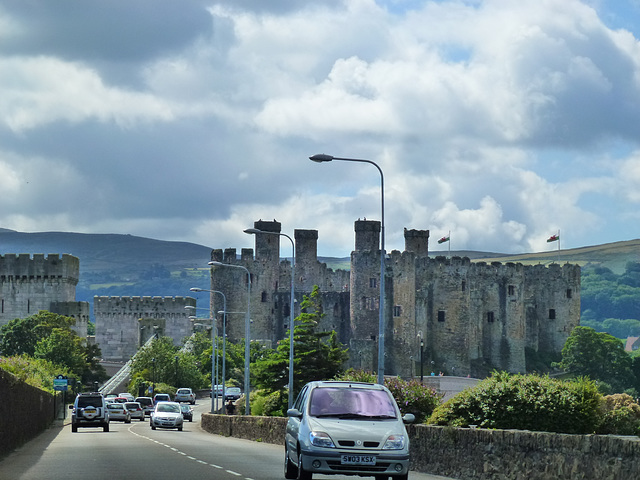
x=478 y=454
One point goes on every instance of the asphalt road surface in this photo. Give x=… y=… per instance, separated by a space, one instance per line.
x=135 y=451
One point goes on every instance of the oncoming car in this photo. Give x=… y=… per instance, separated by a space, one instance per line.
x=167 y=415
x=346 y=428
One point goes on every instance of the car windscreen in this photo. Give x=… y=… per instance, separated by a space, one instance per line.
x=167 y=407
x=351 y=403
x=115 y=406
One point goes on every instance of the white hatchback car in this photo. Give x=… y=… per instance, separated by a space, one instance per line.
x=185 y=395
x=167 y=415
x=346 y=428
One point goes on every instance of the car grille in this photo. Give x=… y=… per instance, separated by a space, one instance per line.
x=338 y=467
x=351 y=443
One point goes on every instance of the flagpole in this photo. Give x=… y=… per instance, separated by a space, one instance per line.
x=449 y=242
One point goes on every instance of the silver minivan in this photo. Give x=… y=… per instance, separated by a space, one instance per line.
x=346 y=428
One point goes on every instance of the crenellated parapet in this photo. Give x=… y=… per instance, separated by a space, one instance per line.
x=25 y=267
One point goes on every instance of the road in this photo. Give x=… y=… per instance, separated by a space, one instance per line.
x=135 y=451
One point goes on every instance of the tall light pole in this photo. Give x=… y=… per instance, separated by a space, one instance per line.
x=224 y=355
x=255 y=231
x=214 y=348
x=247 y=329
x=321 y=157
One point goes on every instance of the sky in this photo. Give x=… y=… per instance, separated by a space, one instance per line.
x=496 y=122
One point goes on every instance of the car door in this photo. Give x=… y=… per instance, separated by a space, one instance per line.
x=293 y=424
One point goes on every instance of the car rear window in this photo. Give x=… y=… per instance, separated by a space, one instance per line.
x=351 y=401
x=89 y=401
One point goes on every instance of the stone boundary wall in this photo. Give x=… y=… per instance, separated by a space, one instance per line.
x=25 y=412
x=479 y=454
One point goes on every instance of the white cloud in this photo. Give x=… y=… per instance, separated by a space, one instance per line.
x=41 y=90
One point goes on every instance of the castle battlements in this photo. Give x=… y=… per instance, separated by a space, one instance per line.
x=25 y=267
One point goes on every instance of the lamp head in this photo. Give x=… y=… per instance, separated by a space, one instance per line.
x=216 y=264
x=195 y=289
x=321 y=157
x=252 y=231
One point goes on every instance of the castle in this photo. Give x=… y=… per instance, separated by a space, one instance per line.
x=442 y=314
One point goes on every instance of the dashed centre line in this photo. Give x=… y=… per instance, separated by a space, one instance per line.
x=203 y=462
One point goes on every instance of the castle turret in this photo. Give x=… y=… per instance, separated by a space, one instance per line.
x=367 y=235
x=417 y=241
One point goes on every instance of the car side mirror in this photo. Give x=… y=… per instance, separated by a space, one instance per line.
x=294 y=412
x=409 y=418
x=70 y=407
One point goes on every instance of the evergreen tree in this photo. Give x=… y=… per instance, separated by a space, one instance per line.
x=317 y=354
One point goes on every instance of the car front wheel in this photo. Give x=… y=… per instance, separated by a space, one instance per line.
x=290 y=470
x=302 y=473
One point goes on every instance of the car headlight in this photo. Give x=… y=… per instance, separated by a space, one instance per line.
x=394 y=442
x=321 y=439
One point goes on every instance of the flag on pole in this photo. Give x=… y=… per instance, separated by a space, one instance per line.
x=444 y=239
x=552 y=238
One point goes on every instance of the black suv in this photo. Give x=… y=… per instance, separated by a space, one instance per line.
x=89 y=410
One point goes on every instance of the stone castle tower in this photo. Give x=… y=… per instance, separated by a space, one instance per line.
x=468 y=316
x=31 y=284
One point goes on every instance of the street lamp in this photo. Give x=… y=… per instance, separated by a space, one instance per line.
x=214 y=372
x=153 y=376
x=321 y=157
x=254 y=231
x=247 y=328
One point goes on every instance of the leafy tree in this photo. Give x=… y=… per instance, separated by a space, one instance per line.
x=526 y=402
x=317 y=355
x=157 y=365
x=49 y=336
x=599 y=356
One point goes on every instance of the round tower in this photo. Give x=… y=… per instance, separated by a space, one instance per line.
x=417 y=241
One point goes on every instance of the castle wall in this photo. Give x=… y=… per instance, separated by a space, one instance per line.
x=123 y=324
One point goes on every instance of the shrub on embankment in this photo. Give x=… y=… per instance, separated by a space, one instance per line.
x=538 y=403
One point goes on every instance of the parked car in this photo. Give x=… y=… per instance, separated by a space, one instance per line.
x=217 y=389
x=338 y=427
x=232 y=393
x=185 y=395
x=161 y=397
x=89 y=410
x=128 y=396
x=147 y=404
x=135 y=410
x=167 y=415
x=187 y=412
x=118 y=411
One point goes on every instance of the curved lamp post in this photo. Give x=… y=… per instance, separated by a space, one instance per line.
x=255 y=231
x=214 y=373
x=247 y=328
x=321 y=157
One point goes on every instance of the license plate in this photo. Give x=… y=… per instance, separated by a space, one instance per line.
x=358 y=460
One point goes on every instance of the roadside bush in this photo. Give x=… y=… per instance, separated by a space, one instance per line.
x=525 y=402
x=410 y=395
x=267 y=404
x=621 y=415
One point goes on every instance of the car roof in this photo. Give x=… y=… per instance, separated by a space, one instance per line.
x=345 y=384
